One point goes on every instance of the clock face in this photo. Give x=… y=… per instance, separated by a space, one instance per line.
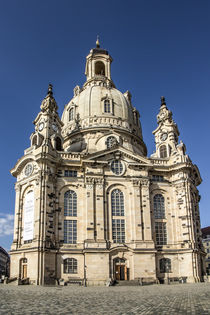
x=164 y=136
x=54 y=127
x=41 y=126
x=28 y=169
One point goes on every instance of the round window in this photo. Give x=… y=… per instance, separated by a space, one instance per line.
x=117 y=167
x=28 y=169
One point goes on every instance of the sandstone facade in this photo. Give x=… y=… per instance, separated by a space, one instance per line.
x=91 y=206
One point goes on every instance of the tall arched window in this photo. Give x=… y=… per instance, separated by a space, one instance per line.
x=71 y=114
x=163 y=151
x=34 y=140
x=159 y=206
x=117 y=200
x=107 y=106
x=118 y=221
x=165 y=265
x=70 y=265
x=99 y=68
x=58 y=144
x=70 y=203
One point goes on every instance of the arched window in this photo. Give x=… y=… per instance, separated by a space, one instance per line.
x=107 y=106
x=165 y=265
x=118 y=223
x=70 y=265
x=159 y=206
x=117 y=202
x=71 y=114
x=58 y=144
x=70 y=203
x=163 y=151
x=34 y=140
x=110 y=142
x=99 y=68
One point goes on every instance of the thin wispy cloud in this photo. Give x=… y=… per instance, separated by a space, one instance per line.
x=6 y=224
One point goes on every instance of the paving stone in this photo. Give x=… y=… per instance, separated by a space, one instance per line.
x=149 y=300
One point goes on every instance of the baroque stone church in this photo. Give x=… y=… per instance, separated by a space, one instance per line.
x=91 y=205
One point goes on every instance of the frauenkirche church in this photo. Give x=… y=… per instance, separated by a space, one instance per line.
x=91 y=206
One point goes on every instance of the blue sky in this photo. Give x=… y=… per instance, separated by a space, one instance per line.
x=159 y=47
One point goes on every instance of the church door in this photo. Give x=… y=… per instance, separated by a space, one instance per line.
x=24 y=271
x=120 y=269
x=23 y=268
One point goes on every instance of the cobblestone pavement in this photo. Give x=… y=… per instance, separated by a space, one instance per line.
x=156 y=299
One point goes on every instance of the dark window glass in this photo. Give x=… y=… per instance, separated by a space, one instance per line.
x=110 y=142
x=160 y=233
x=157 y=178
x=116 y=167
x=118 y=230
x=71 y=114
x=70 y=203
x=117 y=202
x=58 y=144
x=70 y=231
x=165 y=265
x=70 y=265
x=159 y=206
x=107 y=106
x=70 y=173
x=163 y=151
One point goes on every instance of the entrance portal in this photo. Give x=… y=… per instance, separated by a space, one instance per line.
x=120 y=269
x=23 y=268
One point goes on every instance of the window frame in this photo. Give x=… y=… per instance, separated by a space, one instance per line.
x=107 y=106
x=159 y=206
x=118 y=230
x=111 y=141
x=163 y=151
x=117 y=203
x=70 y=173
x=70 y=231
x=71 y=113
x=160 y=233
x=165 y=265
x=70 y=266
x=117 y=167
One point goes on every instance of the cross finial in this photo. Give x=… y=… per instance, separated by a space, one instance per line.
x=50 y=91
x=97 y=42
x=163 y=101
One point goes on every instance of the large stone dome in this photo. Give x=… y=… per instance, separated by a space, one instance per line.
x=98 y=110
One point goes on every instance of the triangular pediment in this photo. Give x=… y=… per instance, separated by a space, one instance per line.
x=118 y=152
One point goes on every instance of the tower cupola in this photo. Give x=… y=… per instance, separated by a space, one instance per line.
x=98 y=66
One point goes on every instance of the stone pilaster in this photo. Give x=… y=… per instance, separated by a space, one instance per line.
x=146 y=214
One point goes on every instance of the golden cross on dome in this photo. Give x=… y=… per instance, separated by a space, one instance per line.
x=97 y=42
